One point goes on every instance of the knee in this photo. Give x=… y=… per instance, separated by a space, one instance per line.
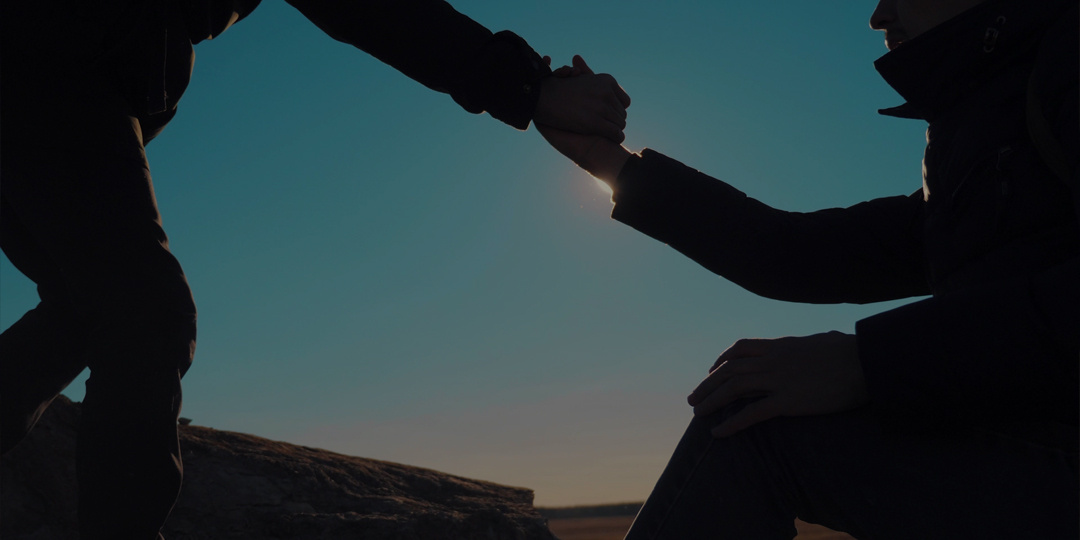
x=768 y=442
x=151 y=330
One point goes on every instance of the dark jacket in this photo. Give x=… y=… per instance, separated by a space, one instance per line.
x=147 y=47
x=992 y=236
x=426 y=40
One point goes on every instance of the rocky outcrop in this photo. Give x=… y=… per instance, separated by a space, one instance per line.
x=238 y=486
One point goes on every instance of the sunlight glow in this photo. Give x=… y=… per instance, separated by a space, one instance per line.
x=603 y=186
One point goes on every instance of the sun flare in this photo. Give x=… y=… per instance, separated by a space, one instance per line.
x=603 y=186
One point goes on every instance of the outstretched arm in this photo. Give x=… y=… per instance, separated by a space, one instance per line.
x=865 y=253
x=992 y=353
x=447 y=51
x=1000 y=351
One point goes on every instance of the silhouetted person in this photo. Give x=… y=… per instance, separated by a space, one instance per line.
x=85 y=85
x=951 y=417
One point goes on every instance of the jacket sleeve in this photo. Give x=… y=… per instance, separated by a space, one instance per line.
x=866 y=253
x=998 y=351
x=442 y=49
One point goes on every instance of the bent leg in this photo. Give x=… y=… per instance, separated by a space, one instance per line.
x=77 y=182
x=851 y=473
x=39 y=356
x=128 y=459
x=716 y=488
x=45 y=349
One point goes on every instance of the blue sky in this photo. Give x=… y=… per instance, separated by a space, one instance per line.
x=382 y=274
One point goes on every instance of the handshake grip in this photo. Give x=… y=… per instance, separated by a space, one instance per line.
x=582 y=115
x=576 y=99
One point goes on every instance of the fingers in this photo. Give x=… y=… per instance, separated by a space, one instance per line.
x=609 y=129
x=612 y=116
x=579 y=64
x=600 y=118
x=608 y=122
x=624 y=98
x=580 y=67
x=734 y=380
x=738 y=372
x=794 y=376
x=716 y=378
x=612 y=99
x=590 y=105
x=616 y=135
x=616 y=116
x=621 y=112
x=743 y=348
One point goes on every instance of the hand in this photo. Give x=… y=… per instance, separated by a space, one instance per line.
x=794 y=376
x=597 y=155
x=584 y=103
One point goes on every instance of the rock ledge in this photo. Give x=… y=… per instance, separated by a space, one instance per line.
x=239 y=486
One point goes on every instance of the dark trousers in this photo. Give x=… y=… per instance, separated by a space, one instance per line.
x=79 y=218
x=852 y=473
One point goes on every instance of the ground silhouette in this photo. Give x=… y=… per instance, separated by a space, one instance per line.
x=239 y=486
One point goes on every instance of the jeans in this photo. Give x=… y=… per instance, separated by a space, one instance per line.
x=79 y=218
x=853 y=473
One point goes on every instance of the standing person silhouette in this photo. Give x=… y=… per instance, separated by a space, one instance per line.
x=84 y=86
x=951 y=417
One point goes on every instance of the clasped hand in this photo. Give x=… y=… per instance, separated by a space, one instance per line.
x=791 y=376
x=583 y=102
x=597 y=151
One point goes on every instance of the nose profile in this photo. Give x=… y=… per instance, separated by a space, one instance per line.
x=883 y=14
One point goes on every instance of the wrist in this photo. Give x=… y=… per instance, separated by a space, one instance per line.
x=606 y=160
x=541 y=113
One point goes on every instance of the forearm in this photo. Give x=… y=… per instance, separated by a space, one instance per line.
x=442 y=49
x=605 y=160
x=865 y=253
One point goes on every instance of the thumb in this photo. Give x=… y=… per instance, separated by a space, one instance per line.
x=579 y=64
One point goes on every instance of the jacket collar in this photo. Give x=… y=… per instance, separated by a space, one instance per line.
x=938 y=67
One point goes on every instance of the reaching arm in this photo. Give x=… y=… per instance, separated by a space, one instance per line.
x=998 y=351
x=865 y=253
x=446 y=51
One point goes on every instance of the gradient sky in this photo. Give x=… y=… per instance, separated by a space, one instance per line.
x=382 y=274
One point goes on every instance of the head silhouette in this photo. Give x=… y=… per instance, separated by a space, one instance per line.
x=902 y=20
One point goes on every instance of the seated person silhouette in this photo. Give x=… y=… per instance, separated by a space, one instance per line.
x=954 y=416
